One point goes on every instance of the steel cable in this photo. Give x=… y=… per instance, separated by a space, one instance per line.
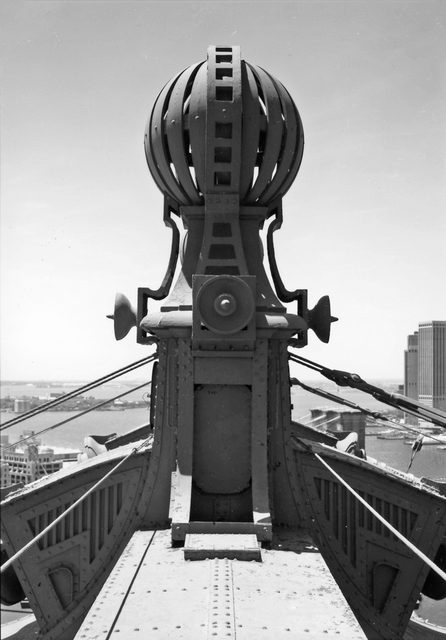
x=76 y=392
x=78 y=415
x=353 y=380
x=376 y=415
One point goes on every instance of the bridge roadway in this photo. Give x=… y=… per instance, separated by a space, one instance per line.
x=154 y=592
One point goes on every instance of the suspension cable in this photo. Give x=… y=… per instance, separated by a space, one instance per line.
x=77 y=415
x=376 y=415
x=52 y=524
x=324 y=424
x=304 y=417
x=334 y=398
x=79 y=391
x=346 y=379
x=383 y=521
x=7 y=610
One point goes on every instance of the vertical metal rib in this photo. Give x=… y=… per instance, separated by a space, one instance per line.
x=175 y=125
x=273 y=133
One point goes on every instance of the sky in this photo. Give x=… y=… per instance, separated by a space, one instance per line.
x=81 y=218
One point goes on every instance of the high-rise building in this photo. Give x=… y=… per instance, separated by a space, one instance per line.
x=411 y=367
x=432 y=363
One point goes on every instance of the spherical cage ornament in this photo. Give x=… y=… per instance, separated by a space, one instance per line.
x=224 y=126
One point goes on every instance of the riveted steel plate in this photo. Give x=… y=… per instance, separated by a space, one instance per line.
x=155 y=593
x=290 y=595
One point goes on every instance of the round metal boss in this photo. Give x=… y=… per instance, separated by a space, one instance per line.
x=225 y=304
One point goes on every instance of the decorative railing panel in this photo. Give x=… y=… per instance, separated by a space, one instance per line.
x=380 y=577
x=62 y=573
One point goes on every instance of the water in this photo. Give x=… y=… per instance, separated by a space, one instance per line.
x=44 y=389
x=429 y=462
x=71 y=435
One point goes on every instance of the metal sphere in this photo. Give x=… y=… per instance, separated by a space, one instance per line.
x=224 y=126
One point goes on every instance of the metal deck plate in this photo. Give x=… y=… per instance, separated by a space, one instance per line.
x=232 y=546
x=153 y=592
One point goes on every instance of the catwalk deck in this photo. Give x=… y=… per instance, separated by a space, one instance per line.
x=154 y=592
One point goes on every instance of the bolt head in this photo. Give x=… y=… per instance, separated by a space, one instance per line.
x=225 y=304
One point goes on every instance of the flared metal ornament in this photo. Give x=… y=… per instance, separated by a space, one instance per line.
x=224 y=143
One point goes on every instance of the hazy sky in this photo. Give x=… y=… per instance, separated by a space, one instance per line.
x=365 y=220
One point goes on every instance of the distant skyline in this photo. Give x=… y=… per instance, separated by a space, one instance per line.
x=81 y=218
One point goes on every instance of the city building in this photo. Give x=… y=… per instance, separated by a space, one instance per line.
x=411 y=367
x=425 y=364
x=432 y=364
x=29 y=461
x=5 y=474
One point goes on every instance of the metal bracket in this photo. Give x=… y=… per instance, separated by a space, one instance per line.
x=301 y=295
x=144 y=293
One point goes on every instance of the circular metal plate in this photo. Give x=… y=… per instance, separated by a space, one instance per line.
x=225 y=304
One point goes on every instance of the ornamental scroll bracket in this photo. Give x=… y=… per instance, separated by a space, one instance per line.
x=144 y=293
x=319 y=318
